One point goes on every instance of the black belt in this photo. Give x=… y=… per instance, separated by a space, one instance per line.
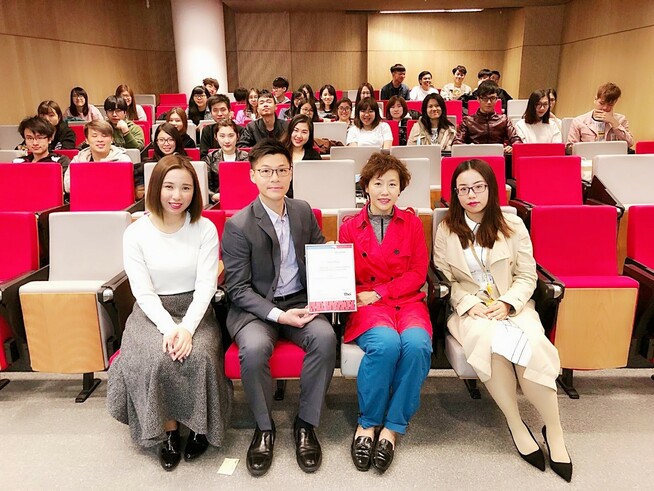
x=283 y=298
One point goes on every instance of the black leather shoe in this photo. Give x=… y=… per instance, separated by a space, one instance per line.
x=196 y=445
x=170 y=452
x=382 y=456
x=260 y=452
x=307 y=448
x=563 y=469
x=361 y=451
x=535 y=458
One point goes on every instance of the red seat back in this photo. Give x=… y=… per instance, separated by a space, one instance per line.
x=279 y=108
x=395 y=129
x=409 y=126
x=217 y=217
x=236 y=188
x=149 y=113
x=78 y=129
x=449 y=165
x=414 y=106
x=177 y=99
x=70 y=153
x=473 y=105
x=645 y=147
x=34 y=187
x=101 y=186
x=193 y=153
x=549 y=180
x=575 y=240
x=639 y=234
x=318 y=214
x=455 y=108
x=535 y=150
x=237 y=106
x=147 y=129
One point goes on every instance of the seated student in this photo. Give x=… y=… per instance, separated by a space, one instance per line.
x=79 y=108
x=344 y=111
x=198 y=108
x=240 y=95
x=457 y=89
x=397 y=110
x=210 y=85
x=297 y=100
x=135 y=112
x=267 y=126
x=483 y=75
x=364 y=91
x=502 y=94
x=99 y=135
x=64 y=138
x=551 y=94
x=536 y=125
x=601 y=124
x=170 y=367
x=279 y=88
x=177 y=117
x=487 y=255
x=298 y=139
x=227 y=136
x=433 y=127
x=424 y=88
x=486 y=126
x=368 y=128
x=326 y=106
x=250 y=110
x=37 y=134
x=220 y=109
x=265 y=275
x=127 y=134
x=308 y=108
x=308 y=92
x=391 y=324
x=167 y=141
x=395 y=86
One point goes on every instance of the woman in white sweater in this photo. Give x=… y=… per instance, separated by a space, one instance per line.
x=536 y=125
x=169 y=370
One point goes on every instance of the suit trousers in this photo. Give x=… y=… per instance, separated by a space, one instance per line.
x=391 y=375
x=256 y=341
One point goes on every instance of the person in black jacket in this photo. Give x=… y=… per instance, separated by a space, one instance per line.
x=267 y=126
x=220 y=109
x=64 y=137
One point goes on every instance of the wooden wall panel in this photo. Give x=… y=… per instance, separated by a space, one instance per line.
x=250 y=29
x=259 y=68
x=342 y=70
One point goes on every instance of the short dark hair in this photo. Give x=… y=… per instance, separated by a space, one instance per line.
x=422 y=74
x=609 y=92
x=211 y=81
x=484 y=72
x=398 y=67
x=268 y=146
x=379 y=164
x=459 y=68
x=496 y=72
x=486 y=88
x=266 y=94
x=394 y=100
x=165 y=165
x=531 y=117
x=280 y=83
x=112 y=103
x=217 y=99
x=367 y=103
x=36 y=125
x=241 y=94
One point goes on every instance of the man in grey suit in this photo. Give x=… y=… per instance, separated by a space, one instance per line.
x=265 y=275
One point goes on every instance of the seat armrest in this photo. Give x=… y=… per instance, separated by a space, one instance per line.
x=9 y=299
x=439 y=285
x=116 y=298
x=638 y=265
x=43 y=221
x=138 y=206
x=599 y=194
x=220 y=297
x=547 y=296
x=108 y=289
x=523 y=209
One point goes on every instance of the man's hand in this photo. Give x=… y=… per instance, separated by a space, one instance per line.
x=122 y=126
x=296 y=317
x=366 y=298
x=508 y=150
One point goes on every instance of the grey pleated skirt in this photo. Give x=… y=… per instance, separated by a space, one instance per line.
x=146 y=387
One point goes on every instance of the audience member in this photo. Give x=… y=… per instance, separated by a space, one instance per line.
x=486 y=126
x=64 y=137
x=365 y=90
x=397 y=110
x=220 y=108
x=457 y=89
x=135 y=111
x=198 y=107
x=241 y=95
x=298 y=139
x=308 y=92
x=227 y=136
x=267 y=126
x=536 y=125
x=279 y=88
x=502 y=94
x=395 y=86
x=79 y=108
x=266 y=283
x=127 y=134
x=344 y=111
x=177 y=117
x=250 y=110
x=327 y=106
x=167 y=141
x=424 y=88
x=38 y=134
x=601 y=124
x=551 y=94
x=296 y=103
x=433 y=127
x=211 y=86
x=308 y=108
x=368 y=128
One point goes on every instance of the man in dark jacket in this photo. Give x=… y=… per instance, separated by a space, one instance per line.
x=267 y=126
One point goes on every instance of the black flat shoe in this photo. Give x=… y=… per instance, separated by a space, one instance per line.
x=169 y=452
x=307 y=448
x=383 y=455
x=535 y=458
x=361 y=451
x=260 y=453
x=563 y=469
x=196 y=445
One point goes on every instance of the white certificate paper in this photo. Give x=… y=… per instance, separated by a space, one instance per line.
x=330 y=278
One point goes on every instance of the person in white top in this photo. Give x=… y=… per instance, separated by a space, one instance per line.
x=419 y=92
x=170 y=367
x=457 y=89
x=536 y=125
x=368 y=128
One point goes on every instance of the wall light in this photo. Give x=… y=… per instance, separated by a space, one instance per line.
x=433 y=11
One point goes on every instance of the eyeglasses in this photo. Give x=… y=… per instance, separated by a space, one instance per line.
x=543 y=104
x=344 y=109
x=477 y=189
x=492 y=99
x=114 y=111
x=165 y=141
x=201 y=96
x=35 y=138
x=79 y=97
x=283 y=172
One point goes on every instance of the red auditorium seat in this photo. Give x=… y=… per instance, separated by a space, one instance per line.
x=78 y=129
x=449 y=164
x=473 y=105
x=236 y=188
x=534 y=150
x=177 y=99
x=414 y=105
x=101 y=186
x=645 y=147
x=455 y=108
x=395 y=129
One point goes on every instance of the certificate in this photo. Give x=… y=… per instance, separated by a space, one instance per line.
x=330 y=278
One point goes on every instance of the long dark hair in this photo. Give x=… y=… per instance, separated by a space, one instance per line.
x=372 y=92
x=287 y=139
x=73 y=108
x=248 y=106
x=332 y=91
x=307 y=88
x=175 y=135
x=194 y=113
x=131 y=108
x=530 y=113
x=315 y=118
x=443 y=122
x=367 y=103
x=492 y=222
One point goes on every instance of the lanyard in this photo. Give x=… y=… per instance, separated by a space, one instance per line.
x=488 y=289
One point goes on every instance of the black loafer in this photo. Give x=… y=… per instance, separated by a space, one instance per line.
x=169 y=452
x=196 y=445
x=307 y=448
x=260 y=453
x=383 y=455
x=361 y=451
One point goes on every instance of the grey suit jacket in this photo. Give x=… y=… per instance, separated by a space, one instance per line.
x=251 y=256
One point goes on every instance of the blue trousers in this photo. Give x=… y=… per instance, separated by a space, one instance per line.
x=391 y=375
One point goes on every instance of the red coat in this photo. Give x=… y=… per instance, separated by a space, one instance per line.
x=396 y=269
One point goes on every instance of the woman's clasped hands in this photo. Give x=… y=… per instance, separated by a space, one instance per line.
x=497 y=310
x=178 y=344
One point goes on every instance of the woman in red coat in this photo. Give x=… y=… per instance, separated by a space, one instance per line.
x=392 y=323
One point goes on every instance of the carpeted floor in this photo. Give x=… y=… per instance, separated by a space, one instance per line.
x=454 y=442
